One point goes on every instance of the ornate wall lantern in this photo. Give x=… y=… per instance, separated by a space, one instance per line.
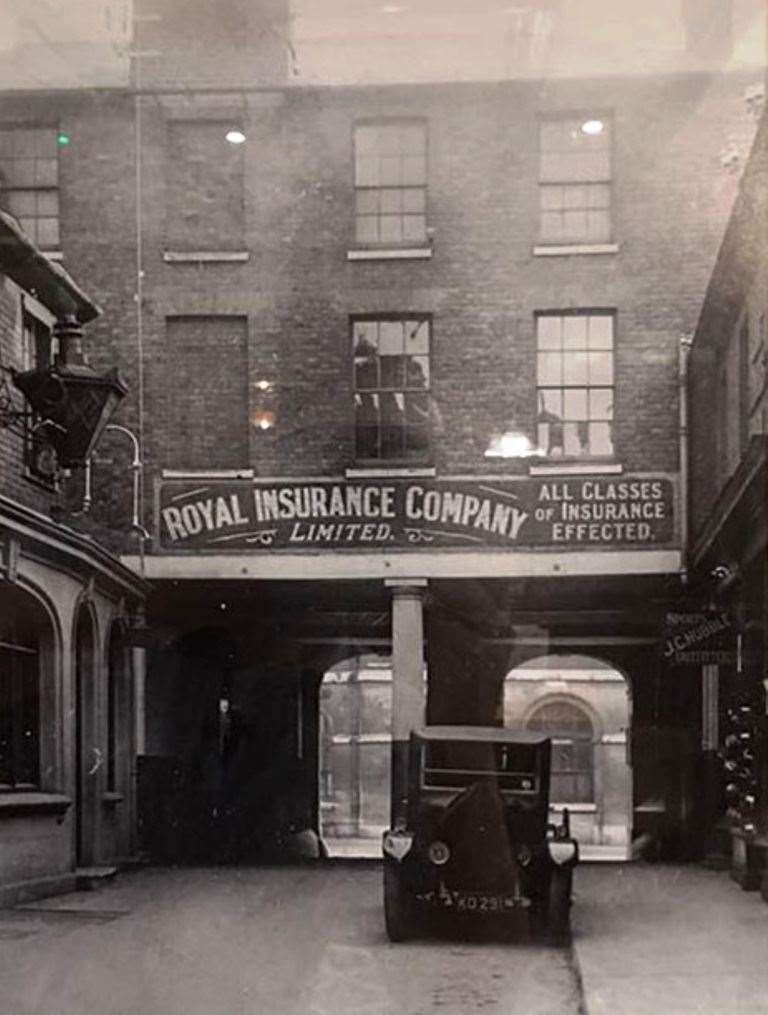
x=74 y=403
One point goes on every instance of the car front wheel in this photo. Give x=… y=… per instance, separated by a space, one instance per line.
x=399 y=917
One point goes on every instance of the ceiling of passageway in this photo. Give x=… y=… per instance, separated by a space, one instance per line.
x=602 y=605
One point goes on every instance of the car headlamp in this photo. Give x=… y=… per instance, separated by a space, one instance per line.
x=439 y=853
x=397 y=843
x=562 y=851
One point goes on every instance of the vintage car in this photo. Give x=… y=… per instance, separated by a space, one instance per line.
x=475 y=841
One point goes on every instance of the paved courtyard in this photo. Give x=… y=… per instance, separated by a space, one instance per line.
x=310 y=941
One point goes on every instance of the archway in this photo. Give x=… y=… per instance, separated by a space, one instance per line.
x=354 y=755
x=584 y=705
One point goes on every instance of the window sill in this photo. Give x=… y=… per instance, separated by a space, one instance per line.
x=205 y=256
x=575 y=808
x=394 y=472
x=207 y=474
x=577 y=469
x=111 y=799
x=33 y=802
x=390 y=254
x=561 y=249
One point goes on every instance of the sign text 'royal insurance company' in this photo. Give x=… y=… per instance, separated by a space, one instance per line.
x=234 y=515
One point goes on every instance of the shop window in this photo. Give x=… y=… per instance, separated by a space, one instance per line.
x=19 y=712
x=115 y=687
x=205 y=208
x=391 y=183
x=570 y=728
x=575 y=384
x=575 y=180
x=29 y=181
x=394 y=413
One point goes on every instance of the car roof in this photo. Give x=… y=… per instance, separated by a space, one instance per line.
x=484 y=734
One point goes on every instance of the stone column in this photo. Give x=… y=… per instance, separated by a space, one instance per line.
x=408 y=692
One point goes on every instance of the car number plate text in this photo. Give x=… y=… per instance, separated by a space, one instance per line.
x=473 y=902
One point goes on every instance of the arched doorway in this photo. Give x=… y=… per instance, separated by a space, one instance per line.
x=354 y=755
x=584 y=705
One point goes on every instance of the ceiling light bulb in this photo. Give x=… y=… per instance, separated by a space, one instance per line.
x=592 y=127
x=235 y=136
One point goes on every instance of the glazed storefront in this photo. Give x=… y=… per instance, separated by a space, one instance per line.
x=300 y=629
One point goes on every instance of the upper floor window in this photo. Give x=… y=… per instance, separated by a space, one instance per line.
x=38 y=351
x=393 y=408
x=29 y=181
x=575 y=180
x=204 y=194
x=575 y=383
x=391 y=183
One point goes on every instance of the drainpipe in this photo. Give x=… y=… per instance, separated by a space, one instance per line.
x=684 y=352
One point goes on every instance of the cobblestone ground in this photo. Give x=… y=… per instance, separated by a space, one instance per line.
x=265 y=941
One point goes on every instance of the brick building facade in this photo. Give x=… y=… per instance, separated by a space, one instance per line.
x=405 y=376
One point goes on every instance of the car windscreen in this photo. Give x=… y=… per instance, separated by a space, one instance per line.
x=457 y=764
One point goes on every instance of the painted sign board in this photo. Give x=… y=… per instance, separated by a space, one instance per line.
x=700 y=637
x=233 y=516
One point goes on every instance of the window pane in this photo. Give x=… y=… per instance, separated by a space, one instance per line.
x=417 y=371
x=548 y=332
x=389 y=201
x=600 y=440
x=574 y=331
x=413 y=139
x=367 y=202
x=550 y=197
x=576 y=368
x=390 y=229
x=390 y=170
x=601 y=331
x=366 y=373
x=392 y=408
x=20 y=202
x=366 y=171
x=365 y=336
x=414 y=228
x=550 y=405
x=550 y=368
x=601 y=403
x=414 y=169
x=21 y=173
x=600 y=368
x=46 y=172
x=24 y=142
x=414 y=200
x=598 y=195
x=574 y=196
x=48 y=233
x=598 y=226
x=48 y=202
x=417 y=408
x=391 y=338
x=392 y=371
x=576 y=438
x=575 y=224
x=416 y=337
x=575 y=403
x=416 y=440
x=392 y=441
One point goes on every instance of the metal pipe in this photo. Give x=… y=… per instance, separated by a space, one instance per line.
x=685 y=348
x=87 y=490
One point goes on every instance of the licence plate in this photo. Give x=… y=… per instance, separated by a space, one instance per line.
x=473 y=902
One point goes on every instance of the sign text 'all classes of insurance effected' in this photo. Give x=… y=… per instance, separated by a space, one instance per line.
x=230 y=516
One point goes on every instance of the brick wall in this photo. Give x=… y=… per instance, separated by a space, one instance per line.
x=483 y=284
